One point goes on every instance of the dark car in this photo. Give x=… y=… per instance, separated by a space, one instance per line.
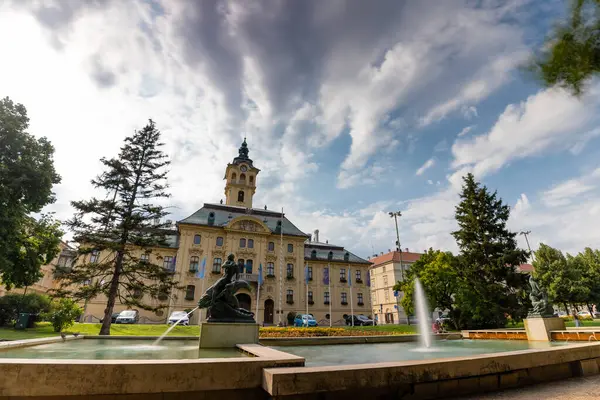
x=128 y=317
x=359 y=320
x=113 y=318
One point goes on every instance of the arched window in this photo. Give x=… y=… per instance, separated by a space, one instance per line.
x=250 y=243
x=197 y=239
x=249 y=265
x=241 y=265
x=313 y=254
x=233 y=176
x=242 y=242
x=251 y=179
x=194 y=261
x=241 y=196
x=242 y=178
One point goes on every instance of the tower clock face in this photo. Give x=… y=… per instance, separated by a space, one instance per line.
x=243 y=168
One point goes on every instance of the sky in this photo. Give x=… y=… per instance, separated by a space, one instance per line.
x=351 y=109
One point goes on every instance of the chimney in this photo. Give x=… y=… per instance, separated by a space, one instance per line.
x=317 y=235
x=406 y=250
x=389 y=250
x=381 y=253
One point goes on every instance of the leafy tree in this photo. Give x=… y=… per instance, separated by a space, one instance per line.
x=562 y=277
x=571 y=55
x=112 y=231
x=590 y=260
x=492 y=289
x=13 y=303
x=26 y=177
x=63 y=312
x=438 y=273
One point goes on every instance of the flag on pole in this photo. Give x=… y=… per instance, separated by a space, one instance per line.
x=306 y=274
x=202 y=270
x=368 y=278
x=260 y=274
x=349 y=277
x=326 y=276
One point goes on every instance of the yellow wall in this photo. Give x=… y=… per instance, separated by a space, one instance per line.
x=382 y=294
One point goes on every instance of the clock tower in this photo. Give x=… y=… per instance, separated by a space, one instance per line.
x=240 y=176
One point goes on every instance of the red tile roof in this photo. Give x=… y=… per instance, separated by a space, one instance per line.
x=395 y=257
x=525 y=268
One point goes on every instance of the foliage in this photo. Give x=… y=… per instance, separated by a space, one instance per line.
x=63 y=313
x=27 y=175
x=290 y=317
x=438 y=273
x=319 y=332
x=571 y=55
x=13 y=303
x=114 y=230
x=491 y=289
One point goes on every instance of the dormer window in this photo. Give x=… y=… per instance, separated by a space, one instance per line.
x=313 y=254
x=346 y=256
x=330 y=255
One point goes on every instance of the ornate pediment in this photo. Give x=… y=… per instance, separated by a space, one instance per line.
x=248 y=224
x=196 y=251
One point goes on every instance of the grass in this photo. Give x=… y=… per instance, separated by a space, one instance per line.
x=44 y=329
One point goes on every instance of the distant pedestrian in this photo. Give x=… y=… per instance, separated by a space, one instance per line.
x=576 y=319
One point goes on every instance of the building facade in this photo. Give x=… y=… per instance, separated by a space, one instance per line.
x=298 y=271
x=47 y=282
x=387 y=269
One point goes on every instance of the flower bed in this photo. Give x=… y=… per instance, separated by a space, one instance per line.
x=317 y=332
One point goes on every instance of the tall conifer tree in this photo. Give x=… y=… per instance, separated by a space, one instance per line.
x=111 y=231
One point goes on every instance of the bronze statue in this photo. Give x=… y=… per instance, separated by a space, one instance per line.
x=539 y=301
x=220 y=298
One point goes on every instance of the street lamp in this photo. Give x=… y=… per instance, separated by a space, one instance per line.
x=525 y=233
x=395 y=215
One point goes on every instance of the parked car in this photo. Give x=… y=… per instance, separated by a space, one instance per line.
x=128 y=317
x=113 y=317
x=359 y=320
x=305 y=320
x=177 y=316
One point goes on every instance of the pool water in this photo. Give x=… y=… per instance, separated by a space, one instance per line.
x=115 y=349
x=381 y=352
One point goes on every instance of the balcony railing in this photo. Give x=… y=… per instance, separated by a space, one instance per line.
x=248 y=277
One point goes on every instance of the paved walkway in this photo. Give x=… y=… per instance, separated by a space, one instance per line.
x=570 y=389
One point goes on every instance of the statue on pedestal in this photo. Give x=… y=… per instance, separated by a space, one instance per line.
x=220 y=300
x=539 y=301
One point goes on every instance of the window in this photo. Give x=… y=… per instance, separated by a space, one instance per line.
x=270 y=269
x=387 y=296
x=360 y=299
x=94 y=256
x=289 y=296
x=242 y=242
x=233 y=176
x=241 y=265
x=344 y=298
x=189 y=292
x=310 y=273
x=219 y=241
x=196 y=239
x=243 y=178
x=241 y=196
x=342 y=274
x=250 y=243
x=385 y=281
x=271 y=246
x=290 y=271
x=194 y=261
x=62 y=261
x=217 y=265
x=330 y=255
x=290 y=248
x=310 y=297
x=346 y=256
x=168 y=263
x=313 y=254
x=326 y=297
x=251 y=179
x=145 y=257
x=249 y=265
x=358 y=276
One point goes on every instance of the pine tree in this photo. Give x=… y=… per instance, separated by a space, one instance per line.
x=488 y=257
x=115 y=231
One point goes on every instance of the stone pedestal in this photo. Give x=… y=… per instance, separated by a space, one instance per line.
x=538 y=328
x=219 y=334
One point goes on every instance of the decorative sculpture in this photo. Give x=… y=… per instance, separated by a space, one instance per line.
x=220 y=300
x=539 y=301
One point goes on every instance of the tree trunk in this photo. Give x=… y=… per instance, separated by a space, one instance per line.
x=566 y=308
x=589 y=307
x=112 y=296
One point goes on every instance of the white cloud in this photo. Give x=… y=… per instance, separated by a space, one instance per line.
x=429 y=182
x=469 y=112
x=571 y=190
x=465 y=130
x=428 y=164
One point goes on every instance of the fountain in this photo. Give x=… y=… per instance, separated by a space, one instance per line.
x=157 y=341
x=422 y=315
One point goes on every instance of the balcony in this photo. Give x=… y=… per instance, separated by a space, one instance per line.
x=343 y=280
x=290 y=277
x=248 y=277
x=344 y=303
x=360 y=303
x=270 y=276
x=326 y=302
x=359 y=280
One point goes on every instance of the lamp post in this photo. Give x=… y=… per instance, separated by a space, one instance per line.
x=525 y=233
x=395 y=215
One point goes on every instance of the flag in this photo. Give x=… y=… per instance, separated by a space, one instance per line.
x=202 y=270
x=368 y=278
x=349 y=277
x=306 y=273
x=326 y=276
x=260 y=274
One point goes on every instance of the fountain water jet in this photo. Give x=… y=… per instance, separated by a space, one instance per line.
x=157 y=341
x=422 y=314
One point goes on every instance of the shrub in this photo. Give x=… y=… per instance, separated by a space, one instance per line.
x=319 y=332
x=13 y=303
x=290 y=318
x=63 y=313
